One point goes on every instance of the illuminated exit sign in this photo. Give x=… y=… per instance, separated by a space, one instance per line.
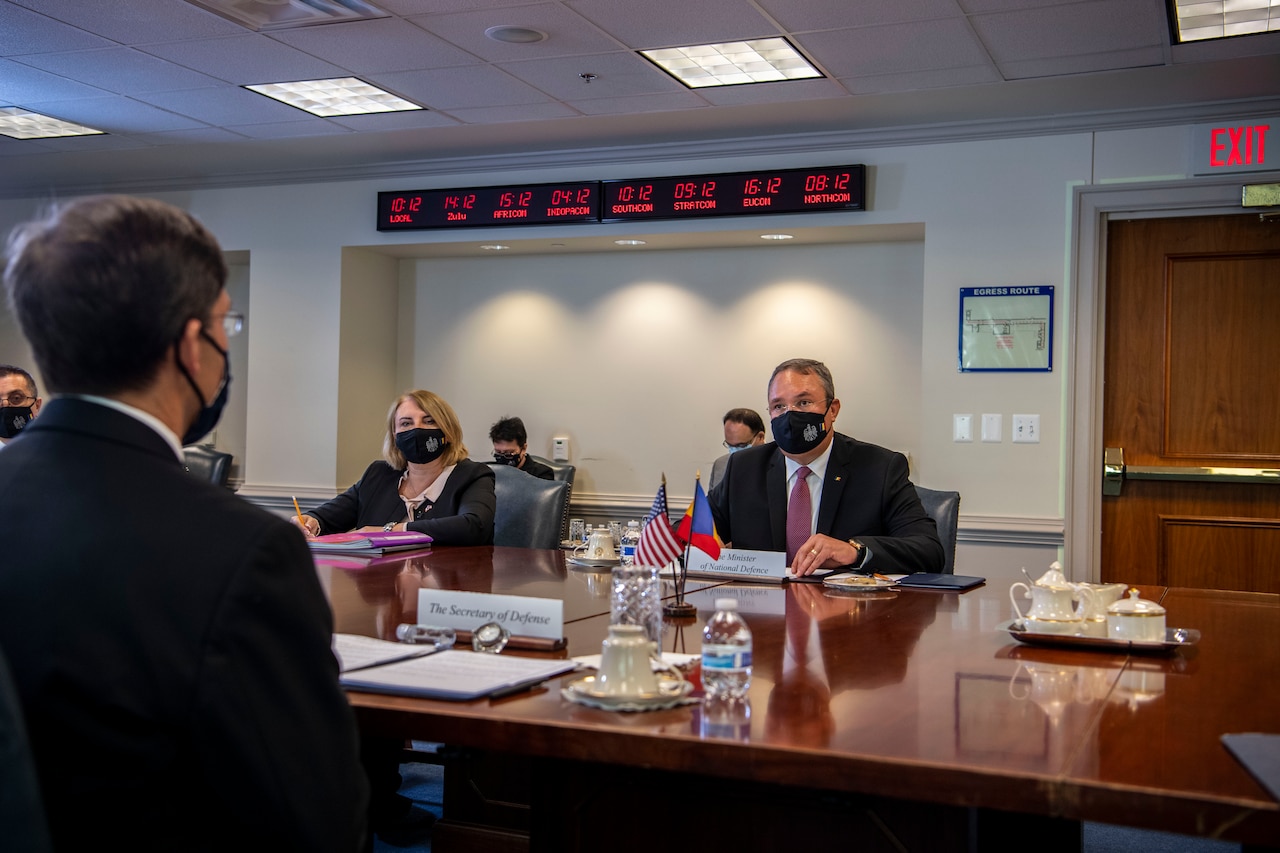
x=1240 y=146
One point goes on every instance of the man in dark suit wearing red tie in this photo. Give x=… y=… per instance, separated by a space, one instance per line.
x=826 y=499
x=169 y=641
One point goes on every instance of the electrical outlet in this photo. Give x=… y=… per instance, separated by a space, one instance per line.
x=1026 y=429
x=962 y=428
x=992 y=426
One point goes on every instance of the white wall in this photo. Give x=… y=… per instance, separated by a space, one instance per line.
x=553 y=341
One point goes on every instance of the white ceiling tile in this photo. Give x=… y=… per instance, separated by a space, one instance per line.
x=383 y=44
x=22 y=31
x=224 y=106
x=685 y=99
x=246 y=59
x=120 y=69
x=136 y=21
x=896 y=48
x=667 y=23
x=829 y=14
x=116 y=114
x=288 y=129
x=567 y=32
x=617 y=75
x=916 y=80
x=21 y=83
x=394 y=121
x=1055 y=66
x=773 y=93
x=515 y=112
x=1079 y=28
x=460 y=88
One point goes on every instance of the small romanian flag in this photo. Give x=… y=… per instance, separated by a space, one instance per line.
x=698 y=527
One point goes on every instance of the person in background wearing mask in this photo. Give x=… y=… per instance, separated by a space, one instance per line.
x=424 y=481
x=742 y=429
x=19 y=401
x=826 y=499
x=510 y=447
x=170 y=642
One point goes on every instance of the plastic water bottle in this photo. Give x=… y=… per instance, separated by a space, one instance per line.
x=630 y=540
x=726 y=653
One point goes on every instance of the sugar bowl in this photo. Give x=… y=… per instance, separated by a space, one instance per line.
x=1136 y=619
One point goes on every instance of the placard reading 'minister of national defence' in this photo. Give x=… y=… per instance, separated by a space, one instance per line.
x=1006 y=328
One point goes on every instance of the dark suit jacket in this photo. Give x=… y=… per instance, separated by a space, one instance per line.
x=171 y=645
x=462 y=515
x=535 y=468
x=865 y=496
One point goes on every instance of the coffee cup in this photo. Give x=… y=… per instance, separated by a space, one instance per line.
x=599 y=546
x=626 y=663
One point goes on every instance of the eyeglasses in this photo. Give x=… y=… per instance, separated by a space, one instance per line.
x=232 y=322
x=742 y=446
x=798 y=406
x=18 y=398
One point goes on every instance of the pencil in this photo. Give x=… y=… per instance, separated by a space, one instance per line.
x=298 y=510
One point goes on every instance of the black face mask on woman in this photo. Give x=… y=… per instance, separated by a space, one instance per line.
x=799 y=432
x=421 y=445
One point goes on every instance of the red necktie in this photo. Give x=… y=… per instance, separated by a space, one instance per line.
x=799 y=514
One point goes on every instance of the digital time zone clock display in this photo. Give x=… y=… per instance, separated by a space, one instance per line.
x=779 y=191
x=532 y=204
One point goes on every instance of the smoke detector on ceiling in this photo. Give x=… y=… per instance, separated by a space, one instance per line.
x=263 y=15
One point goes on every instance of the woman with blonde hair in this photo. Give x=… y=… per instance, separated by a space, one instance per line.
x=424 y=481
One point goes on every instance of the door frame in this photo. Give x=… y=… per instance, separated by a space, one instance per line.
x=1092 y=207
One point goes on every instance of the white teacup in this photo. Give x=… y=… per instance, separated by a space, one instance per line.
x=626 y=663
x=599 y=546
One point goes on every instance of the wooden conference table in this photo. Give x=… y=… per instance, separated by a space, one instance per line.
x=897 y=719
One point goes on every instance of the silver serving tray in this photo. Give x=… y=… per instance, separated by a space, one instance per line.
x=1174 y=638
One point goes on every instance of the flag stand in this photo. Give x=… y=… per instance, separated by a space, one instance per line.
x=680 y=608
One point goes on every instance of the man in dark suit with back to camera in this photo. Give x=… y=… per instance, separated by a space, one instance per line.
x=169 y=641
x=826 y=499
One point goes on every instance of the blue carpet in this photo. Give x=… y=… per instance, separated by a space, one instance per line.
x=1104 y=838
x=424 y=784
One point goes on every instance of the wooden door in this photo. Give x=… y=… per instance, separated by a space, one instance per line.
x=1193 y=382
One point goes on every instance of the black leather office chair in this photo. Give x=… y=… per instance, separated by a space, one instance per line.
x=944 y=509
x=560 y=470
x=22 y=818
x=531 y=512
x=207 y=463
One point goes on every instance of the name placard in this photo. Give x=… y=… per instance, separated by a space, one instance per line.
x=466 y=611
x=740 y=564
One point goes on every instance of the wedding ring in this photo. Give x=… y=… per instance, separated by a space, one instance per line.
x=813 y=551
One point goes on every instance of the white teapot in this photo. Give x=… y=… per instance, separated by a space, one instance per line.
x=1057 y=605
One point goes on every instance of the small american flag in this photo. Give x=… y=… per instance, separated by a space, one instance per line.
x=658 y=545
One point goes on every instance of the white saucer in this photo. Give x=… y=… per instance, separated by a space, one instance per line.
x=593 y=562
x=859 y=583
x=671 y=692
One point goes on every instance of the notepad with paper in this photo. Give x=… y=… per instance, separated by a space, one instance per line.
x=372 y=542
x=456 y=675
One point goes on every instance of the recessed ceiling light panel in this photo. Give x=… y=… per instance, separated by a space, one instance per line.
x=1200 y=20
x=733 y=63
x=265 y=15
x=18 y=123
x=342 y=96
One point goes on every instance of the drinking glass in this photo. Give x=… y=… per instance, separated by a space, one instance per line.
x=637 y=600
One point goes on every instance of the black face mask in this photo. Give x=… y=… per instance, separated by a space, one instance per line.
x=13 y=420
x=512 y=459
x=421 y=445
x=210 y=413
x=799 y=432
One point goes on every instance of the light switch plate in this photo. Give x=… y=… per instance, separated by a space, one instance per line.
x=1026 y=429
x=962 y=428
x=992 y=427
